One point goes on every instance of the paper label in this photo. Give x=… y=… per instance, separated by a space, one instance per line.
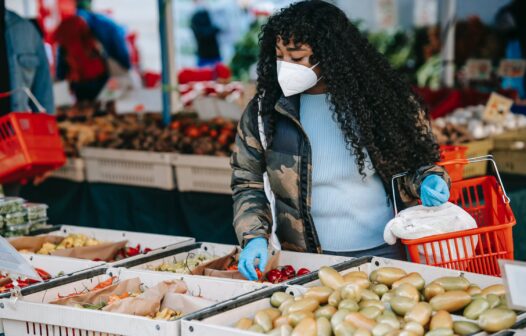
x=478 y=69
x=497 y=108
x=512 y=68
x=513 y=275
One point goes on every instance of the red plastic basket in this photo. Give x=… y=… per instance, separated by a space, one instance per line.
x=30 y=145
x=477 y=250
x=448 y=153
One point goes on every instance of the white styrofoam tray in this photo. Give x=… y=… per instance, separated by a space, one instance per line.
x=32 y=315
x=298 y=260
x=146 y=240
x=220 y=322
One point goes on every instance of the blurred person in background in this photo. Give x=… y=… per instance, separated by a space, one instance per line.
x=91 y=46
x=331 y=124
x=23 y=63
x=205 y=33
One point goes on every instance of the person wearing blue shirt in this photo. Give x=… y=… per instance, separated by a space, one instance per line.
x=27 y=63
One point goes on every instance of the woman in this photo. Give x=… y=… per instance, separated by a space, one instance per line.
x=337 y=124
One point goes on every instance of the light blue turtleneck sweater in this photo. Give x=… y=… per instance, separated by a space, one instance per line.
x=349 y=212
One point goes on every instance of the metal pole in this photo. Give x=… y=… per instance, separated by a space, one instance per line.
x=448 y=23
x=167 y=57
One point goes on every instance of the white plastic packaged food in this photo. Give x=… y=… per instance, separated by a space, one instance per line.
x=419 y=222
x=14 y=263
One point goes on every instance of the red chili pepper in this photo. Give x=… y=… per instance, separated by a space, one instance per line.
x=43 y=274
x=146 y=250
x=132 y=251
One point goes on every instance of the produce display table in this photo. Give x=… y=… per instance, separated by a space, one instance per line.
x=207 y=217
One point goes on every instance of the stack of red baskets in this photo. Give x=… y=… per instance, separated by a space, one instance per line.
x=477 y=250
x=30 y=145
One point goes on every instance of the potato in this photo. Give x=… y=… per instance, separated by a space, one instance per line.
x=387 y=275
x=495 y=289
x=408 y=291
x=432 y=290
x=323 y=327
x=263 y=320
x=453 y=283
x=441 y=320
x=402 y=305
x=464 y=328
x=244 y=324
x=325 y=311
x=421 y=313
x=414 y=279
x=450 y=301
x=306 y=304
x=306 y=327
x=358 y=320
x=329 y=277
x=321 y=294
x=494 y=320
x=475 y=308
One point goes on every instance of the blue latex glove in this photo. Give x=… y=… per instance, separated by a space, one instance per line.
x=255 y=248
x=434 y=191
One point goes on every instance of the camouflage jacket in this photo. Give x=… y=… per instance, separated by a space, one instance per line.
x=288 y=164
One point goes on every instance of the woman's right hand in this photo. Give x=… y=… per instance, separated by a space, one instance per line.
x=255 y=248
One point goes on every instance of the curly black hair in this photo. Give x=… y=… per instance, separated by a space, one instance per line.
x=374 y=106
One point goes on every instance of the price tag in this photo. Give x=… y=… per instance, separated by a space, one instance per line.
x=514 y=276
x=512 y=68
x=497 y=108
x=478 y=69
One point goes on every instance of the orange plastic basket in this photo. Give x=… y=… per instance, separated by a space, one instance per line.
x=448 y=153
x=30 y=145
x=476 y=250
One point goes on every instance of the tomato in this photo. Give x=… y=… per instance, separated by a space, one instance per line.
x=274 y=276
x=213 y=133
x=192 y=132
x=288 y=272
x=302 y=271
x=175 y=125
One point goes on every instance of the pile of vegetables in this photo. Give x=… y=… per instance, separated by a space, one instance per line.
x=387 y=302
x=6 y=283
x=466 y=124
x=186 y=134
x=184 y=266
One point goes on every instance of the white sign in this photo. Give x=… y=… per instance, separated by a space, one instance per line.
x=514 y=276
x=512 y=68
x=425 y=13
x=478 y=69
x=386 y=12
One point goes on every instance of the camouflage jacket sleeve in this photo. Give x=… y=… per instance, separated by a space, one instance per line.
x=410 y=187
x=252 y=216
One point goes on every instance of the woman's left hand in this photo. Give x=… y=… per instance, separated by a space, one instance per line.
x=434 y=191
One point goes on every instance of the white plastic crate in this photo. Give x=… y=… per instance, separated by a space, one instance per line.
x=32 y=315
x=56 y=267
x=73 y=170
x=146 y=240
x=218 y=320
x=128 y=167
x=203 y=173
x=298 y=260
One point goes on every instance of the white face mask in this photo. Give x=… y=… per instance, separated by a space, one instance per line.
x=295 y=78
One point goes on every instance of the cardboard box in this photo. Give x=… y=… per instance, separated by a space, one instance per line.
x=510 y=152
x=477 y=148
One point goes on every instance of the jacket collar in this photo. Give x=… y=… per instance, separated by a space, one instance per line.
x=289 y=106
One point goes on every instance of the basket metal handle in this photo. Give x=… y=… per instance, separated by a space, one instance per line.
x=28 y=93
x=477 y=159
